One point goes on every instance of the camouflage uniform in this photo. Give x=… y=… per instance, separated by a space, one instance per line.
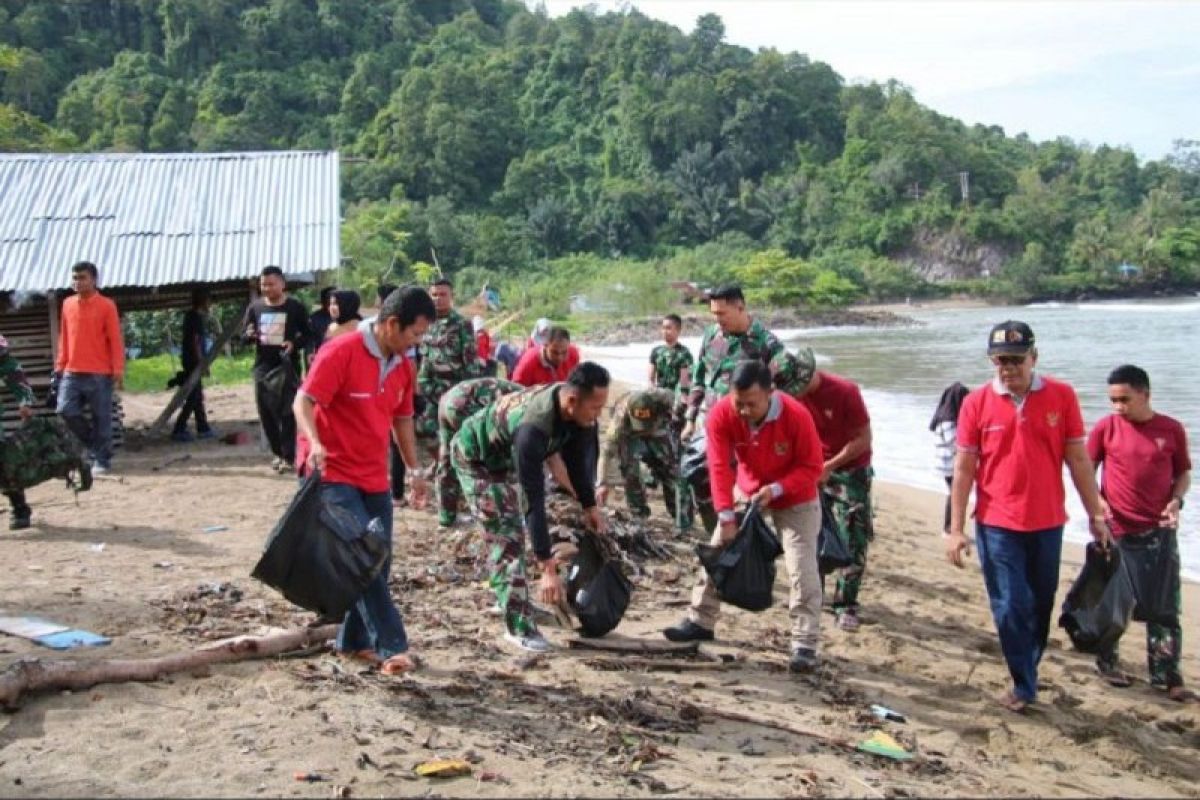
x=460 y=402
x=511 y=438
x=672 y=367
x=640 y=431
x=718 y=356
x=18 y=384
x=848 y=493
x=448 y=356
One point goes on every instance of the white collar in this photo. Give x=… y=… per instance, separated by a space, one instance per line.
x=1035 y=385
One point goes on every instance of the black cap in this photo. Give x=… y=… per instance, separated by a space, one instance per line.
x=1010 y=338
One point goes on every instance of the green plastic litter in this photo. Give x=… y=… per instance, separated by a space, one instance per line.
x=882 y=744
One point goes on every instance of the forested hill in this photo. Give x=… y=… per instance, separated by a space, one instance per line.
x=521 y=146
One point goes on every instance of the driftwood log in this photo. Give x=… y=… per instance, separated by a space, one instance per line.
x=30 y=675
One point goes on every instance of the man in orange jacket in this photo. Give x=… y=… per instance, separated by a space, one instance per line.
x=91 y=361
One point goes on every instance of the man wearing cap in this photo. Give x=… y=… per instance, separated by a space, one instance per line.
x=842 y=421
x=772 y=441
x=734 y=336
x=1014 y=435
x=639 y=431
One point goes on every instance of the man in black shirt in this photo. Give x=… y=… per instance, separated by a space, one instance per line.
x=278 y=326
x=191 y=353
x=320 y=320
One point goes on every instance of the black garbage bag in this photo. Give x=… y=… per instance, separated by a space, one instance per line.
x=743 y=572
x=693 y=466
x=1098 y=606
x=281 y=383
x=321 y=555
x=597 y=588
x=833 y=551
x=1152 y=561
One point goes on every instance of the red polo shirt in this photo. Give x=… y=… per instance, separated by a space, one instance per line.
x=839 y=412
x=784 y=449
x=533 y=370
x=356 y=403
x=1019 y=481
x=1141 y=462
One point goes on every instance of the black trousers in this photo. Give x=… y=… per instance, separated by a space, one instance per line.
x=193 y=405
x=280 y=429
x=16 y=499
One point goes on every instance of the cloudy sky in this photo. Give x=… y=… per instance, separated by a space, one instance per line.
x=1119 y=72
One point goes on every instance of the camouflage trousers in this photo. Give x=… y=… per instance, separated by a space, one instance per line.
x=496 y=503
x=848 y=493
x=1164 y=645
x=660 y=456
x=38 y=451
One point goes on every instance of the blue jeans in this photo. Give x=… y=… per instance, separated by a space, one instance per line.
x=1020 y=570
x=373 y=623
x=95 y=391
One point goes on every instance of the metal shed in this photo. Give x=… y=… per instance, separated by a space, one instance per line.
x=155 y=224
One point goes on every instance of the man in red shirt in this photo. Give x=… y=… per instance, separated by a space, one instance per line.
x=1014 y=435
x=91 y=360
x=841 y=417
x=774 y=443
x=549 y=363
x=1147 y=471
x=358 y=395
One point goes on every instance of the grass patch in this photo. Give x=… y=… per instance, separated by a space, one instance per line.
x=151 y=374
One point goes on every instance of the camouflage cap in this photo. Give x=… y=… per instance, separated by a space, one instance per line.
x=647 y=410
x=793 y=372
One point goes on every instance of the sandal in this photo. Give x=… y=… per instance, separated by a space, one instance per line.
x=365 y=656
x=1114 y=675
x=399 y=664
x=1013 y=703
x=1181 y=695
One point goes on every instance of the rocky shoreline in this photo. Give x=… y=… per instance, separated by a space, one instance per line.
x=646 y=329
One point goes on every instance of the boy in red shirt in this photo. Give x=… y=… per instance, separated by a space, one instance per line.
x=774 y=443
x=842 y=421
x=1014 y=435
x=1147 y=471
x=91 y=362
x=356 y=397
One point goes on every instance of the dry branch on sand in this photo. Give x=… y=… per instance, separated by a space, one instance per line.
x=32 y=675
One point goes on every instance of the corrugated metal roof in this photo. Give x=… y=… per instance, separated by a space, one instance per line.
x=155 y=219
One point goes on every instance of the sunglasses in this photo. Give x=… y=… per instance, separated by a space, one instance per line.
x=1009 y=361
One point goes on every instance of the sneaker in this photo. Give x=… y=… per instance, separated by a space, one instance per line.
x=847 y=620
x=688 y=631
x=285 y=467
x=533 y=641
x=803 y=660
x=275 y=462
x=1112 y=674
x=182 y=436
x=100 y=470
x=208 y=434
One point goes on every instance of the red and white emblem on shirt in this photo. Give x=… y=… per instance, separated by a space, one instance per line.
x=1052 y=419
x=828 y=413
x=1160 y=441
x=781 y=448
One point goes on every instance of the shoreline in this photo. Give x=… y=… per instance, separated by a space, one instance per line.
x=157 y=556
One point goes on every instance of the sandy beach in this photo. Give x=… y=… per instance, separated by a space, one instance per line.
x=131 y=560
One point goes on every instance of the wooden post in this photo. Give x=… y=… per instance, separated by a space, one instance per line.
x=194 y=378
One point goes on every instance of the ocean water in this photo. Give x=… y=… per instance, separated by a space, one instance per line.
x=902 y=371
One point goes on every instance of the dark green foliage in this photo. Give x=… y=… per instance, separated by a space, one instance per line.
x=505 y=141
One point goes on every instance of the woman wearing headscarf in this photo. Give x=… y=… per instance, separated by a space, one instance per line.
x=944 y=425
x=343 y=307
